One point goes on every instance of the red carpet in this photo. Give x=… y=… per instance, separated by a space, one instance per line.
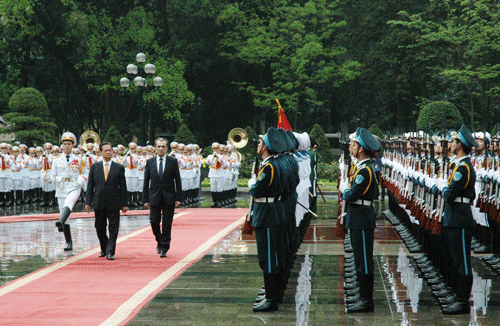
x=87 y=290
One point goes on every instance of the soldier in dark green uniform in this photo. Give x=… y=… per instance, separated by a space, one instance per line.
x=359 y=193
x=458 y=222
x=266 y=220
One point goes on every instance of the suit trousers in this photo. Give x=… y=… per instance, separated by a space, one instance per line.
x=102 y=216
x=165 y=214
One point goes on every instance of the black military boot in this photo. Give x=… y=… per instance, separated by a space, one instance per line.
x=52 y=197
x=45 y=199
x=139 y=198
x=365 y=303
x=2 y=198
x=25 y=197
x=9 y=198
x=64 y=216
x=19 y=197
x=214 y=199
x=130 y=199
x=270 y=303
x=463 y=290
x=67 y=236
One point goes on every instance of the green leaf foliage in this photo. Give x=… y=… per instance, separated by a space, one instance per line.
x=184 y=135
x=28 y=119
x=439 y=115
x=114 y=137
x=325 y=153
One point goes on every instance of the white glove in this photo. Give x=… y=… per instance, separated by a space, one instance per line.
x=59 y=179
x=251 y=182
x=80 y=181
x=343 y=186
x=441 y=184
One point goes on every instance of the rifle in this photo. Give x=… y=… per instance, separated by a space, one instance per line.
x=341 y=231
x=247 y=227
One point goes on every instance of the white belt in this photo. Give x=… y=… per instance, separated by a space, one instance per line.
x=464 y=200
x=362 y=202
x=264 y=200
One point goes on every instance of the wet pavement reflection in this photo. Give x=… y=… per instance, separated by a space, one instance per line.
x=221 y=287
x=28 y=246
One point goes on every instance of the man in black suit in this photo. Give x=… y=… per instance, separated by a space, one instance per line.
x=107 y=193
x=162 y=193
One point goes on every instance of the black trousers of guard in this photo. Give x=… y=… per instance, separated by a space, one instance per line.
x=362 y=245
x=165 y=214
x=102 y=216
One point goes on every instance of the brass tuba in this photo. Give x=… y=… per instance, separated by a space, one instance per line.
x=89 y=136
x=238 y=137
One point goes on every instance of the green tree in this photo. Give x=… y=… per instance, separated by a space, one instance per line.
x=29 y=117
x=439 y=115
x=459 y=44
x=184 y=135
x=114 y=137
x=375 y=130
x=325 y=153
x=290 y=49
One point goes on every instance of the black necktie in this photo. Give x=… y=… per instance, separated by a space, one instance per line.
x=67 y=158
x=160 y=172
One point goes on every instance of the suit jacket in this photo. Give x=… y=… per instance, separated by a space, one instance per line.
x=167 y=188
x=108 y=194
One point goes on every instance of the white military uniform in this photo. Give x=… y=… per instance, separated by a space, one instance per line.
x=69 y=173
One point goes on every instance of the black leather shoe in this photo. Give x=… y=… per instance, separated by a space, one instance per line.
x=262 y=291
x=69 y=246
x=438 y=287
x=259 y=299
x=102 y=254
x=352 y=292
x=60 y=226
x=447 y=300
x=350 y=286
x=353 y=299
x=361 y=306
x=349 y=274
x=443 y=293
x=266 y=305
x=158 y=249
x=457 y=308
x=111 y=257
x=163 y=254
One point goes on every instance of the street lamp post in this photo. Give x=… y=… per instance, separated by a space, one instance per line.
x=142 y=73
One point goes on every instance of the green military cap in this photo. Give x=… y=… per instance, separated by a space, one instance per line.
x=465 y=137
x=293 y=140
x=366 y=140
x=272 y=140
x=288 y=143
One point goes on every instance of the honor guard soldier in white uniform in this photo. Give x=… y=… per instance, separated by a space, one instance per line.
x=33 y=175
x=235 y=166
x=5 y=175
x=141 y=157
x=24 y=197
x=174 y=150
x=69 y=173
x=197 y=179
x=39 y=166
x=17 y=178
x=215 y=162
x=130 y=162
x=47 y=187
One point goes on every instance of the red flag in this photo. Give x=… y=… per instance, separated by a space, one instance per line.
x=282 y=120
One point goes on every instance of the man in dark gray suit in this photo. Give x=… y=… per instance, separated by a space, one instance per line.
x=162 y=193
x=107 y=193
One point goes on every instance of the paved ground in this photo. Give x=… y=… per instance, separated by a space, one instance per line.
x=220 y=289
